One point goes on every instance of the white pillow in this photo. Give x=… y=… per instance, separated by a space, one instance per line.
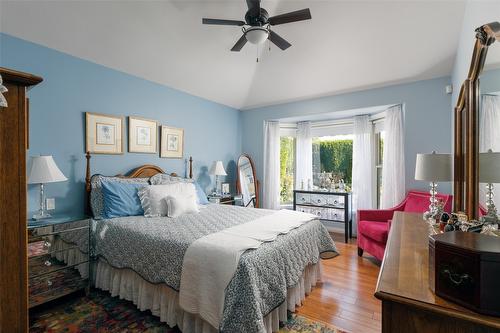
x=177 y=206
x=152 y=197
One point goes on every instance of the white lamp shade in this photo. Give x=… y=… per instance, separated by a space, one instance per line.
x=217 y=169
x=433 y=167
x=44 y=170
x=489 y=167
x=256 y=35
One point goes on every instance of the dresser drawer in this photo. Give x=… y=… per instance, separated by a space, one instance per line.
x=336 y=200
x=319 y=199
x=335 y=214
x=302 y=198
x=54 y=285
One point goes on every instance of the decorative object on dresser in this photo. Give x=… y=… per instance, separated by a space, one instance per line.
x=246 y=182
x=464 y=268
x=172 y=142
x=13 y=246
x=58 y=257
x=328 y=206
x=217 y=170
x=104 y=133
x=489 y=173
x=142 y=135
x=374 y=224
x=44 y=170
x=433 y=168
x=408 y=303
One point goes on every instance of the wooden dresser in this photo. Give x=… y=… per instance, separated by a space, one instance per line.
x=408 y=303
x=13 y=243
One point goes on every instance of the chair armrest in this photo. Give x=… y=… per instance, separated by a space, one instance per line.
x=378 y=215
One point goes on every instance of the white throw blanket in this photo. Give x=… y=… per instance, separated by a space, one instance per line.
x=211 y=261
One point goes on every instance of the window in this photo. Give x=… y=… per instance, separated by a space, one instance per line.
x=379 y=157
x=333 y=154
x=287 y=169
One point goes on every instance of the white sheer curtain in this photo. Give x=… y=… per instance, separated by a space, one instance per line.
x=362 y=165
x=271 y=183
x=303 y=157
x=489 y=137
x=393 y=164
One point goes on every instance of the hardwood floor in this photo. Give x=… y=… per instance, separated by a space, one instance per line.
x=345 y=297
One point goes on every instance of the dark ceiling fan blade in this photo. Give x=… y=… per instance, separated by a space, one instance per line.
x=254 y=6
x=278 y=40
x=223 y=22
x=239 y=44
x=298 y=15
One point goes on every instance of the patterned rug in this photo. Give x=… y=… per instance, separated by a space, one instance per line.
x=101 y=313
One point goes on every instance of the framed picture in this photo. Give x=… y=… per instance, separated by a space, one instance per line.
x=103 y=134
x=225 y=189
x=172 y=142
x=142 y=135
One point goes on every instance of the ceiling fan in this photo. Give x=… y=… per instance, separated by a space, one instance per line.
x=258 y=25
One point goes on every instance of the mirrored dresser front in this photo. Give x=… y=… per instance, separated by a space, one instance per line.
x=58 y=257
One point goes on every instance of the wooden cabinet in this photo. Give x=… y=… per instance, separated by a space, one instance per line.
x=408 y=302
x=13 y=243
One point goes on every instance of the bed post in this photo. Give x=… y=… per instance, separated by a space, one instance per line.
x=190 y=167
x=87 y=183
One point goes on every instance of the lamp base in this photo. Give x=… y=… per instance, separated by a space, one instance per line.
x=41 y=216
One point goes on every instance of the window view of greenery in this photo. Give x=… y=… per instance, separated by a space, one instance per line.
x=287 y=167
x=333 y=154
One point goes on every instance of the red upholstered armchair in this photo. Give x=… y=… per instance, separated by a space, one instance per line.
x=373 y=225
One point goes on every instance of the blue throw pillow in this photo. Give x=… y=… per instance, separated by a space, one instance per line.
x=202 y=197
x=121 y=199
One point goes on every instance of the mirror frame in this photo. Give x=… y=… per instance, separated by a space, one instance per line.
x=466 y=127
x=238 y=186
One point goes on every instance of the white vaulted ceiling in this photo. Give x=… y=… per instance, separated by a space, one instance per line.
x=347 y=46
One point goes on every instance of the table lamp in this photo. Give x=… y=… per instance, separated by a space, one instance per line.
x=217 y=170
x=489 y=173
x=43 y=170
x=433 y=168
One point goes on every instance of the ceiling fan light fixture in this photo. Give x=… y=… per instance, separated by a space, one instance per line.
x=256 y=35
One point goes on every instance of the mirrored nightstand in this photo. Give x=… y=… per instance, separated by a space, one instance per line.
x=235 y=200
x=58 y=257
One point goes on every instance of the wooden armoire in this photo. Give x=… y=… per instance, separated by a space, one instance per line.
x=13 y=206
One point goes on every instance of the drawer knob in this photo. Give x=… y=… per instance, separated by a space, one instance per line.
x=49 y=283
x=303 y=199
x=47 y=244
x=319 y=200
x=335 y=202
x=47 y=263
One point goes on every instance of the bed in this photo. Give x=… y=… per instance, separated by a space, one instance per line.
x=141 y=259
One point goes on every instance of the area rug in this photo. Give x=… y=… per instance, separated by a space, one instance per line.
x=101 y=313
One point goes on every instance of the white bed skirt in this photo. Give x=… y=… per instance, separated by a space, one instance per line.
x=163 y=301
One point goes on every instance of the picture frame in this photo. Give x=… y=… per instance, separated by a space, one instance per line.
x=103 y=134
x=172 y=142
x=142 y=135
x=225 y=189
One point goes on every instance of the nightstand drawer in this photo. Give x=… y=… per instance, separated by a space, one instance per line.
x=54 y=285
x=47 y=263
x=336 y=201
x=37 y=233
x=318 y=199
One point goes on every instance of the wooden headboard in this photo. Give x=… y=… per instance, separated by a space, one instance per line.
x=143 y=171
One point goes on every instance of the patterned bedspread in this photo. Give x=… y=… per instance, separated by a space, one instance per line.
x=154 y=248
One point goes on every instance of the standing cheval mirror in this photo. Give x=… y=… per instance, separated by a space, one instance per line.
x=246 y=183
x=477 y=130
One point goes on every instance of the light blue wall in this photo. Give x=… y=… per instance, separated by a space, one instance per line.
x=427 y=119
x=73 y=86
